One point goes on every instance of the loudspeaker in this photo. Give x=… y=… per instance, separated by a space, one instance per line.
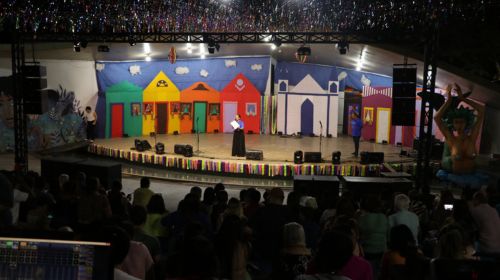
x=298 y=157
x=437 y=150
x=31 y=84
x=179 y=149
x=312 y=157
x=372 y=157
x=106 y=171
x=404 y=94
x=189 y=151
x=336 y=157
x=176 y=132
x=52 y=167
x=160 y=148
x=185 y=150
x=254 y=154
x=323 y=188
x=375 y=185
x=146 y=145
x=34 y=70
x=138 y=145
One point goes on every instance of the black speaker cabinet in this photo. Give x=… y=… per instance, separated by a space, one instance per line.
x=372 y=158
x=180 y=149
x=188 y=151
x=376 y=185
x=52 y=167
x=106 y=171
x=323 y=188
x=146 y=145
x=138 y=145
x=160 y=148
x=298 y=157
x=254 y=154
x=314 y=157
x=336 y=157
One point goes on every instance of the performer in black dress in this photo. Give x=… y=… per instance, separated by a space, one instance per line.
x=239 y=138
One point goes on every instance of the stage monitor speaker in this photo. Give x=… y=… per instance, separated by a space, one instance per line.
x=313 y=157
x=323 y=188
x=146 y=145
x=372 y=157
x=34 y=70
x=189 y=151
x=336 y=157
x=298 y=157
x=138 y=145
x=160 y=148
x=106 y=171
x=254 y=154
x=180 y=149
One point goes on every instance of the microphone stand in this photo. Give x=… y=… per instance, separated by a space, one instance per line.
x=320 y=136
x=197 y=136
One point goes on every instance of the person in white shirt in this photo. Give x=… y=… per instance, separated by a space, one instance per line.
x=19 y=197
x=91 y=121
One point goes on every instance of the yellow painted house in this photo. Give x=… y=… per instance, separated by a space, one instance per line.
x=157 y=106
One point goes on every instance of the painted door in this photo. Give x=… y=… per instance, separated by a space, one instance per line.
x=161 y=118
x=306 y=117
x=117 y=120
x=200 y=117
x=230 y=109
x=383 y=127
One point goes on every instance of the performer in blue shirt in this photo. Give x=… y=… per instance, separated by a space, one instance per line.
x=356 y=126
x=239 y=138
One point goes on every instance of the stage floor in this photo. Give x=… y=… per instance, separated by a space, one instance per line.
x=276 y=149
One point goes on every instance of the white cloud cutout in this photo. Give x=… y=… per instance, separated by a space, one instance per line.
x=181 y=70
x=204 y=73
x=230 y=63
x=135 y=70
x=365 y=81
x=342 y=76
x=256 y=67
x=99 y=66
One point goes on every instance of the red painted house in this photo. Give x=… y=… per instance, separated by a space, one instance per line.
x=240 y=96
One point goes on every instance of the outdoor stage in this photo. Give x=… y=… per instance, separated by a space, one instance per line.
x=215 y=155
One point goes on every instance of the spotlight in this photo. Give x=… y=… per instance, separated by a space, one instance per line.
x=303 y=50
x=343 y=47
x=131 y=41
x=102 y=48
x=76 y=46
x=302 y=54
x=83 y=43
x=213 y=46
x=277 y=43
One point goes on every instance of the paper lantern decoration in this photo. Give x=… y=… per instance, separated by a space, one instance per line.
x=172 y=55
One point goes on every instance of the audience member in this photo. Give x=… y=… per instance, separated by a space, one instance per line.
x=252 y=203
x=143 y=194
x=156 y=212
x=232 y=249
x=295 y=255
x=219 y=207
x=488 y=223
x=92 y=206
x=309 y=219
x=138 y=262
x=138 y=217
x=334 y=251
x=373 y=230
x=197 y=192
x=119 y=204
x=403 y=216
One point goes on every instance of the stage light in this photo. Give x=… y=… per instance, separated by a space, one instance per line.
x=277 y=43
x=303 y=53
x=189 y=48
x=343 y=47
x=147 y=48
x=131 y=41
x=213 y=46
x=76 y=46
x=102 y=48
x=202 y=51
x=148 y=58
x=361 y=60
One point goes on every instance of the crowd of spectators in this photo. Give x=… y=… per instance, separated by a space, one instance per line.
x=257 y=235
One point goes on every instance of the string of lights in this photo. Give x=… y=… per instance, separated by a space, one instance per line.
x=157 y=16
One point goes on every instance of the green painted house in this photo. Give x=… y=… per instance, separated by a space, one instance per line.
x=123 y=110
